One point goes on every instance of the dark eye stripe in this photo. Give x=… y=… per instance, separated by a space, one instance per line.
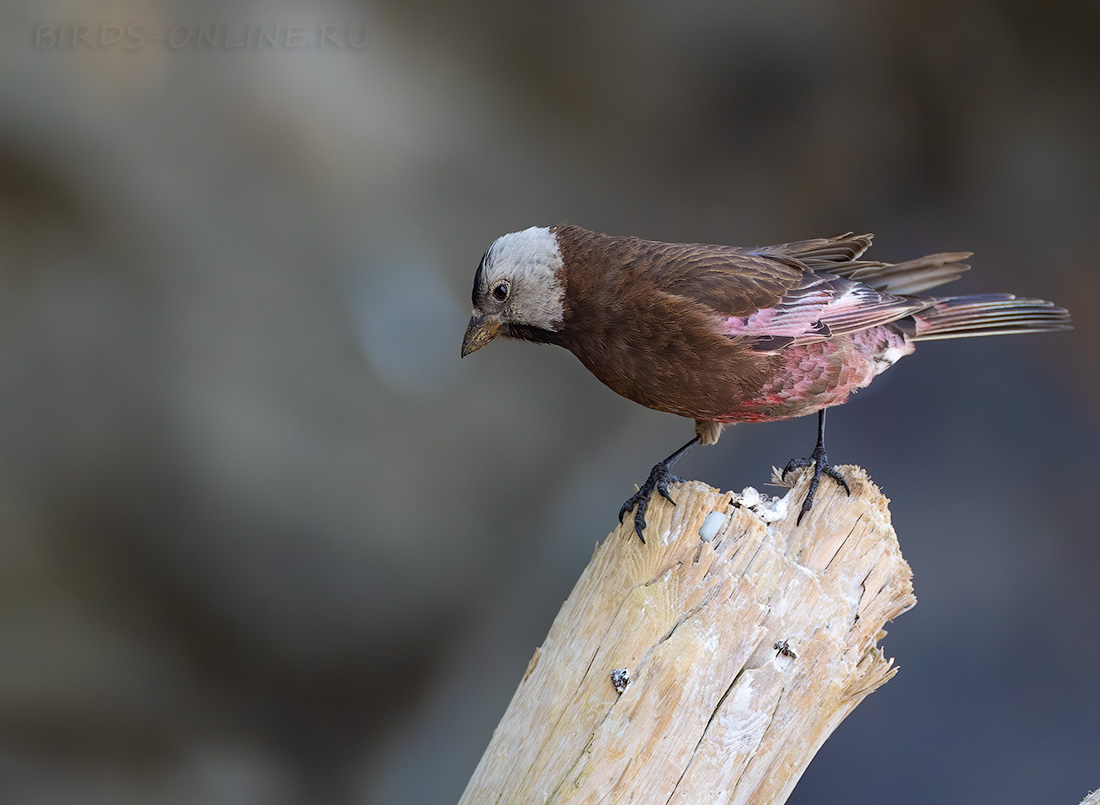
x=477 y=278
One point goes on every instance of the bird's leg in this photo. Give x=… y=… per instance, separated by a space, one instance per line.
x=820 y=462
x=659 y=478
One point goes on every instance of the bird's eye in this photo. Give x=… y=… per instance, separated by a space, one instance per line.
x=500 y=291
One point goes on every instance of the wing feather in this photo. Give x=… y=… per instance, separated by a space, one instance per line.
x=769 y=300
x=823 y=307
x=794 y=293
x=727 y=280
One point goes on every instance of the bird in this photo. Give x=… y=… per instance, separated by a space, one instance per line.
x=726 y=334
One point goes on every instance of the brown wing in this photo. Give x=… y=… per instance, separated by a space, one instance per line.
x=774 y=296
x=824 y=253
x=728 y=280
x=770 y=299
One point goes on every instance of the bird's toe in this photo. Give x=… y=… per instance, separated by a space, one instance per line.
x=658 y=481
x=837 y=476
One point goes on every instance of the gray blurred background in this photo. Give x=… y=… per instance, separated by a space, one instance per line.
x=263 y=537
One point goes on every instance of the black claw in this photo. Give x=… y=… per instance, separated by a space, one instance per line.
x=834 y=473
x=794 y=464
x=626 y=507
x=659 y=479
x=662 y=487
x=639 y=519
x=820 y=463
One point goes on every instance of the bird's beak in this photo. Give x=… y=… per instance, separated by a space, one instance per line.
x=480 y=332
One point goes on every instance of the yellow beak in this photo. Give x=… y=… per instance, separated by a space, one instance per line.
x=479 y=333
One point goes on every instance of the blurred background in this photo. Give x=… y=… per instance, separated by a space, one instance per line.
x=265 y=539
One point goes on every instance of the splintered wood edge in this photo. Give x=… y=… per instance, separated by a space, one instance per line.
x=694 y=623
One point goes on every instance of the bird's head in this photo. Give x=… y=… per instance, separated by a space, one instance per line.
x=518 y=290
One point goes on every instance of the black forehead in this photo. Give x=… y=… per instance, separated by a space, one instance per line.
x=478 y=276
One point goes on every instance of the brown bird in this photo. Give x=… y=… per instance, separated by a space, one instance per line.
x=723 y=334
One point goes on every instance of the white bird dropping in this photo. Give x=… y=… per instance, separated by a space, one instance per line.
x=710 y=527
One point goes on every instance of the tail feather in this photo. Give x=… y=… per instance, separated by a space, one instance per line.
x=911 y=277
x=840 y=255
x=988 y=314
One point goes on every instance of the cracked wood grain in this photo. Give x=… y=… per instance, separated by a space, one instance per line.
x=712 y=713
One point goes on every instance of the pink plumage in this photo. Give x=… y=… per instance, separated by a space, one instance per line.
x=724 y=334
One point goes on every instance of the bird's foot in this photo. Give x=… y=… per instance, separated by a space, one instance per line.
x=820 y=462
x=659 y=479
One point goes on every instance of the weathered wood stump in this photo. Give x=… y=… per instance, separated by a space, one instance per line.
x=739 y=642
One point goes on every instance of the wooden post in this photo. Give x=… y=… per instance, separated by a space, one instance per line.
x=739 y=642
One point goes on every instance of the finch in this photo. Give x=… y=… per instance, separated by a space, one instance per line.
x=724 y=334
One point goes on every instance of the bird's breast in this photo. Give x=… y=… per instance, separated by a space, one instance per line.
x=669 y=360
x=696 y=372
